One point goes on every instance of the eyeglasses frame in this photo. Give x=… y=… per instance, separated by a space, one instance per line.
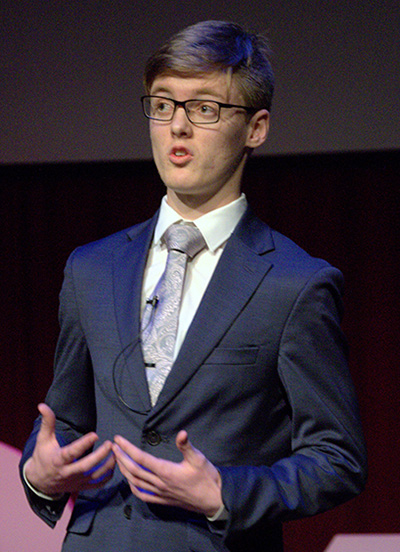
x=250 y=110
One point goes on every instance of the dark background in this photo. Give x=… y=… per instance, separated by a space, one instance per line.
x=71 y=73
x=342 y=207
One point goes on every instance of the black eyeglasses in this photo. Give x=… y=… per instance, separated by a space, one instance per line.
x=204 y=112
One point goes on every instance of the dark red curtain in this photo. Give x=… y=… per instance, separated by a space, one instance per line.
x=342 y=207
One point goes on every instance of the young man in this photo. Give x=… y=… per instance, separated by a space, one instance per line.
x=257 y=377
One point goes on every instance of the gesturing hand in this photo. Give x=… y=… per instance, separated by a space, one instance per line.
x=193 y=484
x=55 y=470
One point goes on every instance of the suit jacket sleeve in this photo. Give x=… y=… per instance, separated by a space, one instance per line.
x=71 y=395
x=326 y=465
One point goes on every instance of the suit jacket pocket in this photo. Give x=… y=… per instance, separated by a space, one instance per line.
x=243 y=355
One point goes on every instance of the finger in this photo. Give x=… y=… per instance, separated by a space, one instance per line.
x=48 y=424
x=96 y=482
x=126 y=463
x=136 y=474
x=78 y=463
x=75 y=450
x=101 y=467
x=137 y=484
x=182 y=440
x=99 y=475
x=146 y=495
x=189 y=453
x=128 y=468
x=135 y=454
x=100 y=481
x=95 y=477
x=126 y=446
x=136 y=481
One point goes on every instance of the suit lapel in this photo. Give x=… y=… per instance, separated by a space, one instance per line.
x=238 y=274
x=128 y=268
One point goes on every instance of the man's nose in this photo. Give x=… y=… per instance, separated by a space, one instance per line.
x=180 y=124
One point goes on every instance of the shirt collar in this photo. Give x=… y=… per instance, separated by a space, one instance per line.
x=216 y=226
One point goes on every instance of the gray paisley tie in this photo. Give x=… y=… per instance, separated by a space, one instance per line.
x=160 y=318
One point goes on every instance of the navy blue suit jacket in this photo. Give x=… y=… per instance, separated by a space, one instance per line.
x=261 y=384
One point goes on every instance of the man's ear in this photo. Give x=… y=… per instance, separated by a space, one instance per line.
x=258 y=128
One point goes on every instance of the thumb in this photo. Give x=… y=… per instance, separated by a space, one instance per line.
x=48 y=424
x=189 y=453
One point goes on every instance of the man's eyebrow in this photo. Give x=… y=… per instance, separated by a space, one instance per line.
x=209 y=92
x=198 y=93
x=160 y=90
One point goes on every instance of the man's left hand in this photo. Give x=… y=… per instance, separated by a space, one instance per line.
x=193 y=484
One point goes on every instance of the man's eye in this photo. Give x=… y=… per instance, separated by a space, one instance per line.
x=162 y=107
x=207 y=109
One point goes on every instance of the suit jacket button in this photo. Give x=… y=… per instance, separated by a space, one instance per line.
x=153 y=438
x=128 y=511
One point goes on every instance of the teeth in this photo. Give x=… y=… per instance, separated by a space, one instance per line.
x=180 y=153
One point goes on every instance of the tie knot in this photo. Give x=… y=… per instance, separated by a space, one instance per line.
x=186 y=238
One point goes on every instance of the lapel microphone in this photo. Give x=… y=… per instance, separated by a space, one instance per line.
x=153 y=301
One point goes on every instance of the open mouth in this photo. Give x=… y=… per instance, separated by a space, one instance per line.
x=179 y=155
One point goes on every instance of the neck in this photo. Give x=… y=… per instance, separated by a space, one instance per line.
x=191 y=207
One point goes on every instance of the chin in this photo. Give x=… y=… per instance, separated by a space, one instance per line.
x=182 y=186
x=185 y=192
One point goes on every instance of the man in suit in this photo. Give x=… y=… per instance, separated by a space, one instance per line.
x=256 y=422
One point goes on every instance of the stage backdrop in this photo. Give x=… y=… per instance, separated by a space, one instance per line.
x=343 y=207
x=71 y=73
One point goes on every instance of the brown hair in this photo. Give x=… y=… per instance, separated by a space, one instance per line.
x=211 y=46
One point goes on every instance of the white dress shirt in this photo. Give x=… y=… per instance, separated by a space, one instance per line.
x=216 y=227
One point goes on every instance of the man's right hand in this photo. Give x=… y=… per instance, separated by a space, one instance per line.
x=55 y=470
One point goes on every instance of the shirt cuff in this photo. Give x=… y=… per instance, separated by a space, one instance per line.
x=221 y=515
x=38 y=493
